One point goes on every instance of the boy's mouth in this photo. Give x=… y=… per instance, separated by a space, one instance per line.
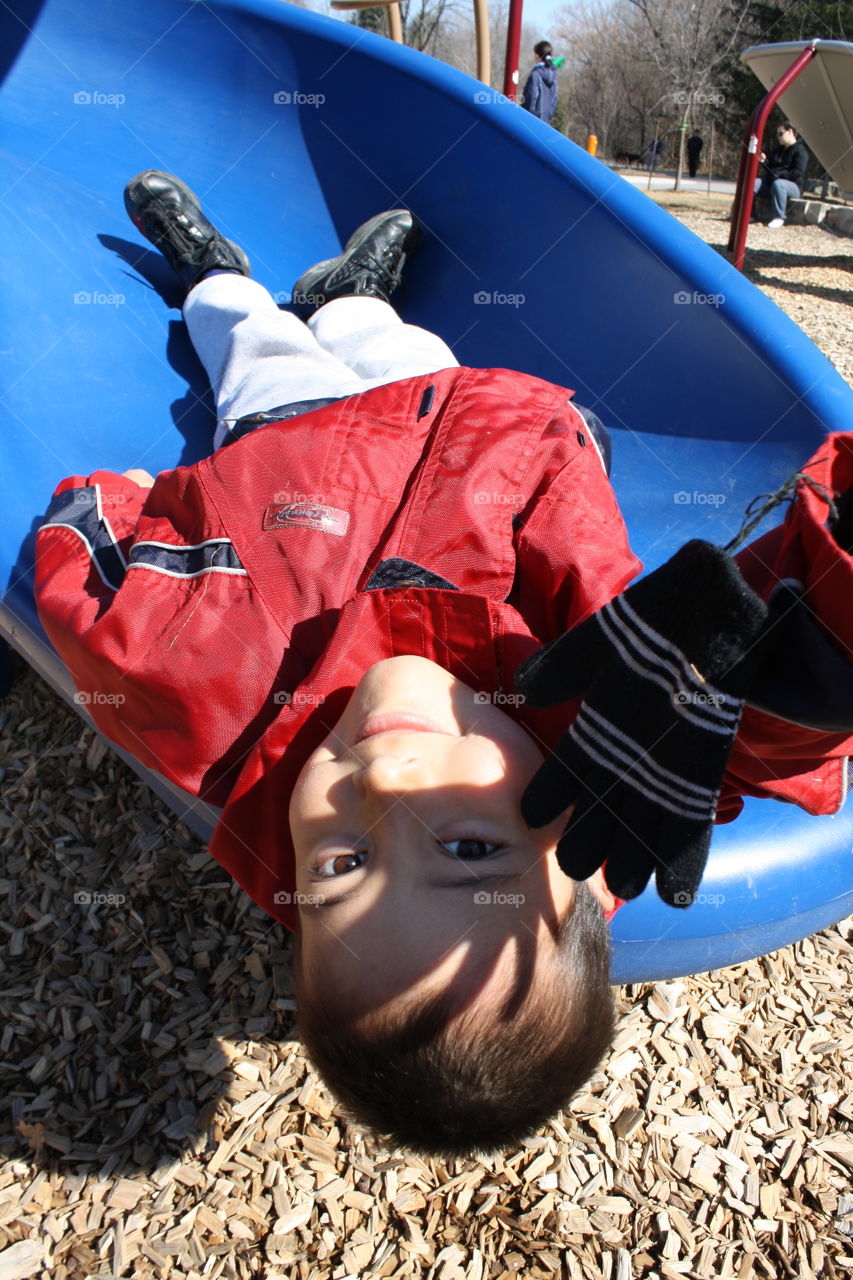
x=401 y=721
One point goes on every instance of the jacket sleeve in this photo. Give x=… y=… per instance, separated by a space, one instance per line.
x=141 y=594
x=532 y=93
x=572 y=552
x=795 y=759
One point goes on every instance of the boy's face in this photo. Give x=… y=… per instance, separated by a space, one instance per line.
x=413 y=861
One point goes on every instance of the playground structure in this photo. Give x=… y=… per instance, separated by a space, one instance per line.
x=812 y=80
x=294 y=128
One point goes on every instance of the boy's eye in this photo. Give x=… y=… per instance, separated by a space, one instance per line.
x=467 y=850
x=338 y=865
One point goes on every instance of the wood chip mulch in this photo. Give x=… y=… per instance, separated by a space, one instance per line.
x=160 y=1120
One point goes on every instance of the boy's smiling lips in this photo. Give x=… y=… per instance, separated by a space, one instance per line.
x=399 y=721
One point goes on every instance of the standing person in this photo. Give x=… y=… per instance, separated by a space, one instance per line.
x=540 y=91
x=785 y=173
x=694 y=149
x=655 y=153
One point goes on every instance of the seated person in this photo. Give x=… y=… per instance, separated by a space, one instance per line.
x=785 y=173
x=333 y=629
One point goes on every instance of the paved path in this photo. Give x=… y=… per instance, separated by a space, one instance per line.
x=664 y=180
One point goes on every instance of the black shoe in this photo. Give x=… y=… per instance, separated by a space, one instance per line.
x=167 y=213
x=370 y=266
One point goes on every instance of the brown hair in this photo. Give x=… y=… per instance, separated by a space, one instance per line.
x=460 y=1087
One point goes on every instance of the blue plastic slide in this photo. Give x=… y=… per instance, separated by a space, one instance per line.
x=293 y=128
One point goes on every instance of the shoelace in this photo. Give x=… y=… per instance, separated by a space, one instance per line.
x=755 y=514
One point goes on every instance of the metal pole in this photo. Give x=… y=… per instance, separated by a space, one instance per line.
x=753 y=134
x=513 y=47
x=481 y=31
x=395 y=23
x=652 y=159
x=711 y=157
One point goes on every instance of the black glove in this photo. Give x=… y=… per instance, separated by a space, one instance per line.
x=663 y=669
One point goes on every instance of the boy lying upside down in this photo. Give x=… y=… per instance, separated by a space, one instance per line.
x=327 y=630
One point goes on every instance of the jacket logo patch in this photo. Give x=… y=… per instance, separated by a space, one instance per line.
x=306 y=515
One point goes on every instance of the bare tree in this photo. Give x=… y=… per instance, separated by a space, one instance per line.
x=691 y=44
x=608 y=83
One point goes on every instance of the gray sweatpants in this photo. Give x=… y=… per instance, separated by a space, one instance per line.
x=259 y=358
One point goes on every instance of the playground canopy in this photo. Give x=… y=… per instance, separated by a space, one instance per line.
x=819 y=102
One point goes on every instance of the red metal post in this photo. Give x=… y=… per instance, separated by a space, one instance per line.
x=748 y=167
x=513 y=49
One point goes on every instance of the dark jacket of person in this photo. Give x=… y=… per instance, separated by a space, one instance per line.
x=789 y=163
x=540 y=92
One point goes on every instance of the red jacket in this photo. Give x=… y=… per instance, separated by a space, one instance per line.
x=219 y=621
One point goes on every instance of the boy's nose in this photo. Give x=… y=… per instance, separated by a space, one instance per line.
x=389 y=775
